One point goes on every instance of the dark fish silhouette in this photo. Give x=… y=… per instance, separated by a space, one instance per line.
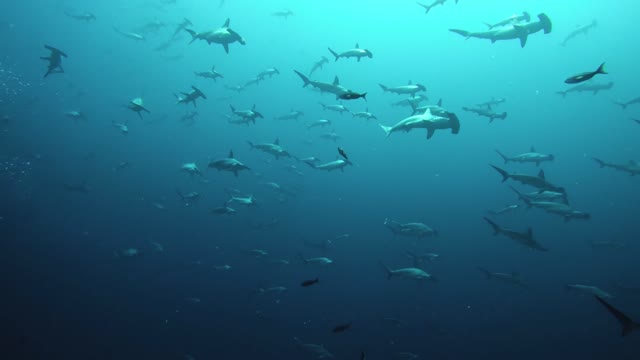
x=310 y=282
x=341 y=328
x=627 y=324
x=586 y=75
x=341 y=152
x=362 y=355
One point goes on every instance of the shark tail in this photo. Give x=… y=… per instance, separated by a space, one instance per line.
x=489 y=26
x=461 y=32
x=334 y=54
x=384 y=88
x=387 y=129
x=504 y=173
x=194 y=35
x=303 y=77
x=484 y=271
x=601 y=69
x=496 y=228
x=627 y=324
x=520 y=196
x=387 y=270
x=600 y=162
x=251 y=144
x=503 y=156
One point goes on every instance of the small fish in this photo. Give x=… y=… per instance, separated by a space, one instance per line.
x=341 y=328
x=307 y=283
x=342 y=153
x=352 y=95
x=586 y=75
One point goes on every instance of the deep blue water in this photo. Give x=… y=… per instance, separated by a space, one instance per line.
x=67 y=296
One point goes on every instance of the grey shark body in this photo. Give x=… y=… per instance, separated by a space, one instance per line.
x=581 y=30
x=211 y=74
x=336 y=107
x=589 y=290
x=229 y=163
x=274 y=149
x=531 y=157
x=428 y=7
x=247 y=115
x=364 y=115
x=510 y=278
x=559 y=208
x=318 y=65
x=223 y=36
x=425 y=121
x=332 y=88
x=137 y=106
x=409 y=89
x=86 y=16
x=538 y=181
x=587 y=87
x=511 y=20
x=624 y=104
x=55 y=61
x=292 y=115
x=130 y=34
x=191 y=96
x=414 y=274
x=356 y=52
x=486 y=113
x=339 y=164
x=284 y=13
x=491 y=103
x=319 y=123
x=544 y=195
x=185 y=23
x=632 y=167
x=524 y=238
x=518 y=31
x=415 y=229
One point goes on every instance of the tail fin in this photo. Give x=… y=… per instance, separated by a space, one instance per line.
x=384 y=88
x=485 y=272
x=387 y=129
x=506 y=159
x=460 y=32
x=600 y=162
x=334 y=54
x=303 y=77
x=627 y=324
x=194 y=35
x=502 y=116
x=496 y=227
x=601 y=69
x=303 y=258
x=389 y=272
x=520 y=196
x=251 y=144
x=504 y=173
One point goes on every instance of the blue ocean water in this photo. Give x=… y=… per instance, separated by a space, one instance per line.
x=77 y=196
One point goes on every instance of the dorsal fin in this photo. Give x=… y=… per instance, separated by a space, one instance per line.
x=230 y=154
x=633 y=162
x=410 y=82
x=357 y=46
x=226 y=23
x=541 y=174
x=533 y=149
x=277 y=141
x=213 y=68
x=427 y=112
x=253 y=107
x=367 y=110
x=440 y=102
x=336 y=81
